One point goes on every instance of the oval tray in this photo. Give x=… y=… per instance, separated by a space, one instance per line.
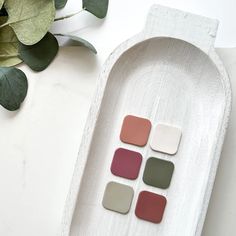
x=169 y=73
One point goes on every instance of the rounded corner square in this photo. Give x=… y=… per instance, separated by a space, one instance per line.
x=126 y=163
x=158 y=173
x=150 y=206
x=166 y=139
x=117 y=197
x=135 y=130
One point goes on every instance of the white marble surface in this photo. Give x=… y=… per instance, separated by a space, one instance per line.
x=40 y=142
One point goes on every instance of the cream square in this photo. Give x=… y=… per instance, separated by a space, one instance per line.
x=166 y=139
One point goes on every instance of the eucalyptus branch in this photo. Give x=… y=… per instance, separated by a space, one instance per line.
x=38 y=47
x=68 y=16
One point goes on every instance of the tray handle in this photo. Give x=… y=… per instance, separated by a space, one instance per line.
x=168 y=22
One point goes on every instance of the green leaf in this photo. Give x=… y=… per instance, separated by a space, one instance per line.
x=41 y=54
x=13 y=88
x=30 y=19
x=59 y=4
x=3 y=12
x=8 y=46
x=1 y=3
x=96 y=7
x=3 y=19
x=80 y=42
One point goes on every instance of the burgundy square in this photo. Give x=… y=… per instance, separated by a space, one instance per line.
x=150 y=206
x=126 y=163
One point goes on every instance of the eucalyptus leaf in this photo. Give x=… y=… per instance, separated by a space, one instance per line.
x=1 y=3
x=59 y=4
x=3 y=12
x=3 y=19
x=30 y=19
x=80 y=42
x=13 y=88
x=96 y=7
x=41 y=54
x=8 y=46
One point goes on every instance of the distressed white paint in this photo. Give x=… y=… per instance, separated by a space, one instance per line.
x=157 y=74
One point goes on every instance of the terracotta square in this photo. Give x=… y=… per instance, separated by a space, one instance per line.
x=118 y=197
x=126 y=163
x=150 y=206
x=135 y=130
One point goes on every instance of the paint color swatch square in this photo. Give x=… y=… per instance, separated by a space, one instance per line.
x=135 y=130
x=118 y=197
x=126 y=163
x=158 y=173
x=166 y=139
x=150 y=206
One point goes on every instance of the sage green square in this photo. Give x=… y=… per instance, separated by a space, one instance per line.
x=158 y=173
x=118 y=197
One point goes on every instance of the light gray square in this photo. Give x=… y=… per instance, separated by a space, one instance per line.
x=118 y=197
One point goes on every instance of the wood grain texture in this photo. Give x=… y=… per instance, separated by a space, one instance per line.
x=168 y=73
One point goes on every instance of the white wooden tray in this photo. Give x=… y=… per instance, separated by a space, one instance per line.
x=169 y=73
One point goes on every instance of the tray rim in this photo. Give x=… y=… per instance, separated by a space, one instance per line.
x=97 y=101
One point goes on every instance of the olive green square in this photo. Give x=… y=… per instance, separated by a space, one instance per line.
x=158 y=173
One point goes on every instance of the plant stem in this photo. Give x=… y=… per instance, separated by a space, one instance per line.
x=68 y=16
x=58 y=34
x=3 y=25
x=10 y=55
